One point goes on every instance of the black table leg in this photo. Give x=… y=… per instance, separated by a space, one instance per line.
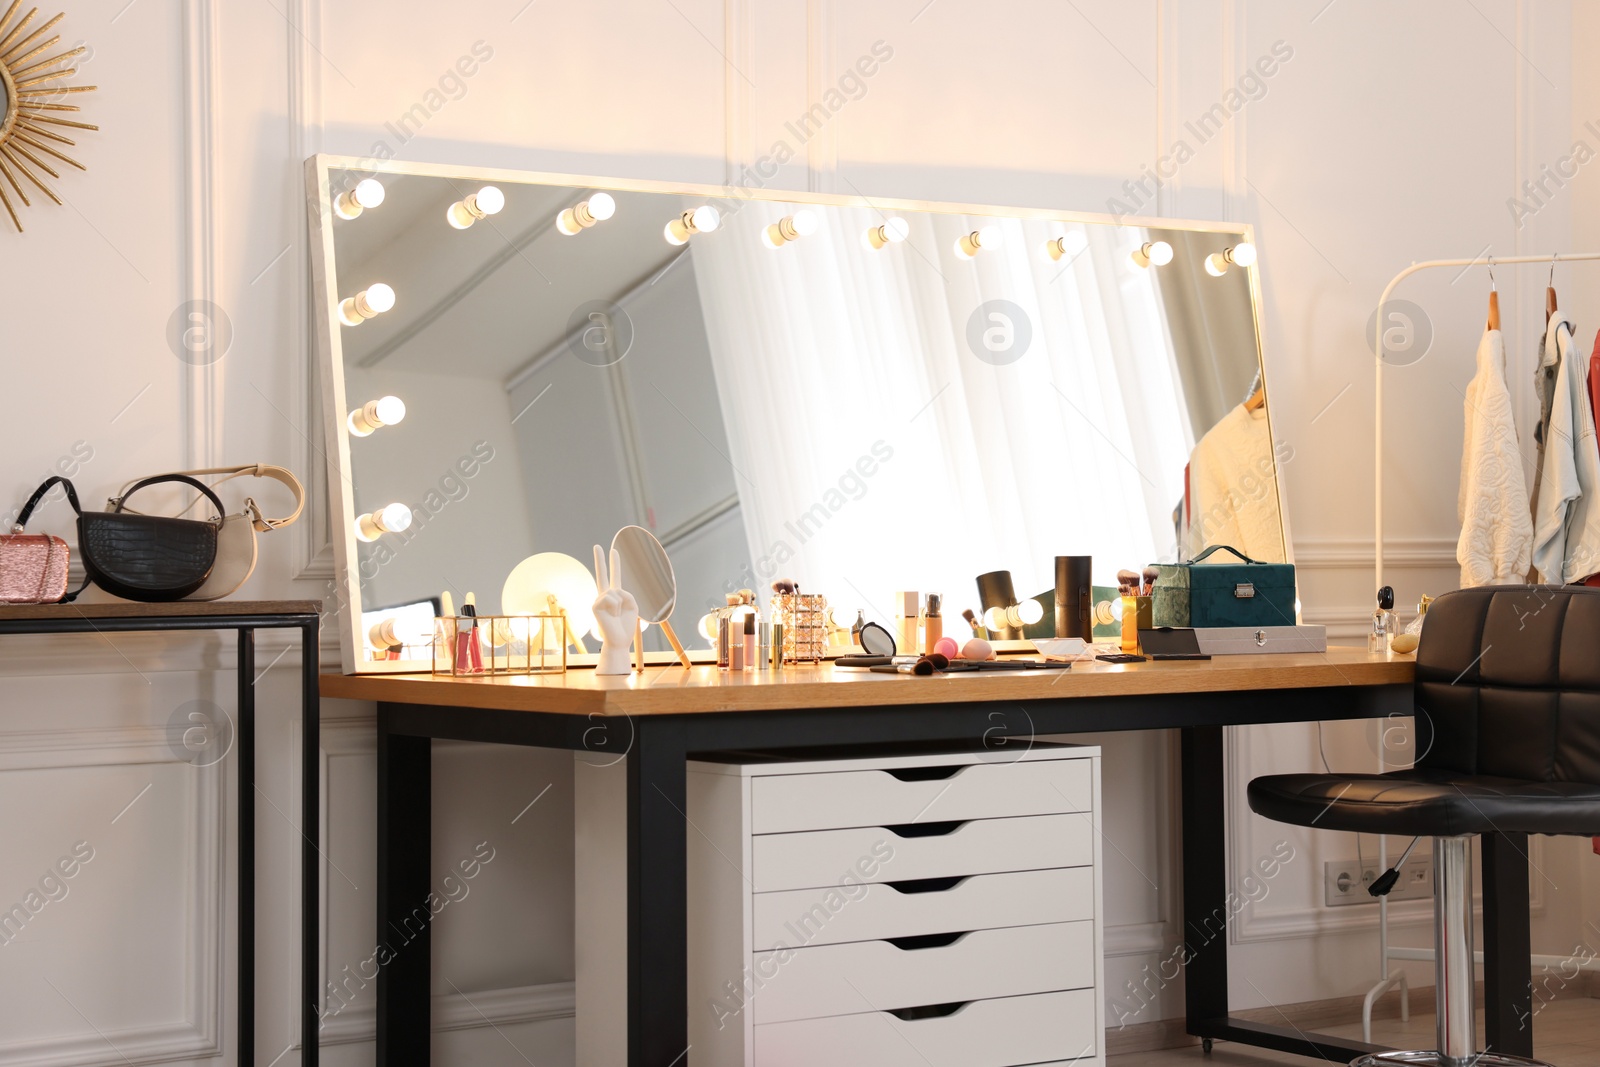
x=310 y=832
x=405 y=823
x=1205 y=875
x=246 y=741
x=658 y=901
x=1507 y=946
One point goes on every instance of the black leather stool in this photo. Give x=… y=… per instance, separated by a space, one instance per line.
x=1508 y=740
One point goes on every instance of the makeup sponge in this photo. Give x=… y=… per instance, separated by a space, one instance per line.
x=977 y=648
x=946 y=647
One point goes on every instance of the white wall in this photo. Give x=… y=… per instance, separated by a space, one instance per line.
x=1391 y=134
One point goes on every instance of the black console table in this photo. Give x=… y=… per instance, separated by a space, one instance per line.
x=244 y=617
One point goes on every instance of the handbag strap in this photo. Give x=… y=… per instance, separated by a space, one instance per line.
x=281 y=475
x=1224 y=548
x=38 y=495
x=118 y=501
x=27 y=512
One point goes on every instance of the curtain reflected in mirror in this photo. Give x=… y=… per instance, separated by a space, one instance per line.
x=860 y=399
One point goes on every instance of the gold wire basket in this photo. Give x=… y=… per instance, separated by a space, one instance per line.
x=470 y=645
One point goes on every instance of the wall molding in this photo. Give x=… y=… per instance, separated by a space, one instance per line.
x=202 y=385
x=1355 y=553
x=496 y=1008
x=312 y=557
x=201 y=982
x=822 y=48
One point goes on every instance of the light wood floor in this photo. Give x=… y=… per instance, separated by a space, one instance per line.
x=1566 y=1033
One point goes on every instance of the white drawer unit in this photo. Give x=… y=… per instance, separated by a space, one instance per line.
x=936 y=910
x=1062 y=1027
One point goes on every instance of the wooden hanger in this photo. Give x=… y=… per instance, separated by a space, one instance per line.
x=1494 y=299
x=1550 y=293
x=1258 y=399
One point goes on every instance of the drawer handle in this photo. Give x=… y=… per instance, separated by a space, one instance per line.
x=926 y=829
x=928 y=1011
x=926 y=885
x=922 y=941
x=927 y=774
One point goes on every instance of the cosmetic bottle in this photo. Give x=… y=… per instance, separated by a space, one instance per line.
x=932 y=623
x=750 y=641
x=1415 y=625
x=735 y=647
x=908 y=606
x=855 y=629
x=1383 y=622
x=777 y=645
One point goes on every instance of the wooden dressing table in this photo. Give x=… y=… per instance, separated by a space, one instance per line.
x=659 y=719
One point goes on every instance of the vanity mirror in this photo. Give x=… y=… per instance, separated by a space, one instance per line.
x=861 y=395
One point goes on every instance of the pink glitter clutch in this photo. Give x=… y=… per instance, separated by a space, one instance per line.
x=33 y=568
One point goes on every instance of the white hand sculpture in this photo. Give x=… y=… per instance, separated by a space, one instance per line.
x=616 y=616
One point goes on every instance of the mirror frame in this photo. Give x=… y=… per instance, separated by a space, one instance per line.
x=330 y=348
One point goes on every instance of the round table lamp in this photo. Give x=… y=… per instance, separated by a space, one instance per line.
x=552 y=582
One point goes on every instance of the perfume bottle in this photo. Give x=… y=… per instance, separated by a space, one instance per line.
x=1384 y=623
x=1415 y=625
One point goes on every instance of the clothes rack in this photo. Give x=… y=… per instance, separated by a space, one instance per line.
x=1389 y=979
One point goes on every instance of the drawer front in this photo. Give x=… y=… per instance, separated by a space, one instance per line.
x=985 y=1033
x=783 y=803
x=802 y=917
x=861 y=975
x=874 y=854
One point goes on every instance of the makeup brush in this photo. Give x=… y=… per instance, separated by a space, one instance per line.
x=1128 y=583
x=785 y=585
x=1150 y=576
x=972 y=621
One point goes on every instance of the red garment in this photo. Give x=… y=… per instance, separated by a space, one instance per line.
x=1594 y=381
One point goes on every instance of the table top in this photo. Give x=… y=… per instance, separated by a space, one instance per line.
x=127 y=609
x=675 y=691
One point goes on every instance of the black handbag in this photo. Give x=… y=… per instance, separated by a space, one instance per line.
x=149 y=558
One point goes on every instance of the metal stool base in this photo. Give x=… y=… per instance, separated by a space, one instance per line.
x=1435 y=1059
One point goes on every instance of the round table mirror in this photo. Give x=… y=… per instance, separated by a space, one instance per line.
x=647 y=574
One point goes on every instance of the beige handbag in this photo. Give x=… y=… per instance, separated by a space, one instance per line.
x=236 y=540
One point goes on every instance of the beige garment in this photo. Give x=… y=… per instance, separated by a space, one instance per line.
x=1233 y=490
x=1496 y=543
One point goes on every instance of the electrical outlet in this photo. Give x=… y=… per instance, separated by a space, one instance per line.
x=1345 y=882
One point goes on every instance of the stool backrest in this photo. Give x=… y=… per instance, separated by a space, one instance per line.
x=1508 y=683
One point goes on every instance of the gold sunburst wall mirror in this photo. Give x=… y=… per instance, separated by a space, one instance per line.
x=33 y=95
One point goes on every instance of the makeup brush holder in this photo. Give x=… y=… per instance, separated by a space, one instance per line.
x=500 y=644
x=805 y=625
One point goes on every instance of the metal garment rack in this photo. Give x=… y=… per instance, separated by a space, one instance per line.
x=244 y=618
x=1386 y=952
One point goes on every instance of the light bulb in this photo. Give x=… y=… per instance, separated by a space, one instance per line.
x=893 y=231
x=1217 y=264
x=1156 y=252
x=395 y=518
x=486 y=201
x=580 y=217
x=789 y=228
x=995 y=619
x=702 y=219
x=375 y=299
x=352 y=202
x=374 y=414
x=1066 y=246
x=1030 y=611
x=1243 y=253
x=705 y=218
x=979 y=239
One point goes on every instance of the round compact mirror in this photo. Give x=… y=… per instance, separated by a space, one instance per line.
x=647 y=574
x=876 y=640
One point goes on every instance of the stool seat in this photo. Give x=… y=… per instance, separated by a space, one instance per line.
x=1427 y=802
